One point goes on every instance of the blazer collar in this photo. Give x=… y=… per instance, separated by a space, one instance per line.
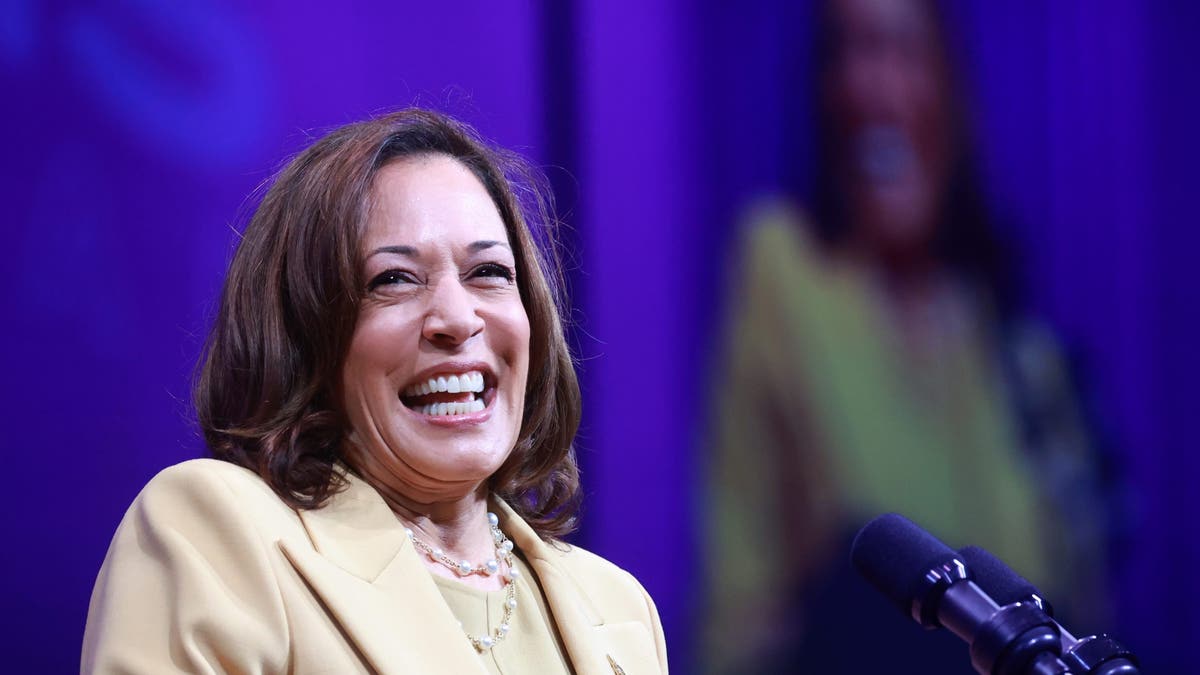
x=574 y=614
x=364 y=569
x=370 y=576
x=356 y=530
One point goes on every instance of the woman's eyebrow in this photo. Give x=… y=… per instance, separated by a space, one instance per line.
x=407 y=251
x=478 y=246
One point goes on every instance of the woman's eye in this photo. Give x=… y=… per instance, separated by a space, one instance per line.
x=494 y=270
x=391 y=278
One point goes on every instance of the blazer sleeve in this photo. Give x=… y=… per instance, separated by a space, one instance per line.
x=187 y=585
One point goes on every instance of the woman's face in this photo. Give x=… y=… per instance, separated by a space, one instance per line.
x=886 y=89
x=434 y=380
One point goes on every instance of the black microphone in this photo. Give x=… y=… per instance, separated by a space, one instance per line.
x=933 y=584
x=1098 y=654
x=1000 y=581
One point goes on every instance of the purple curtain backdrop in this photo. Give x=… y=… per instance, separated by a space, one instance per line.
x=135 y=133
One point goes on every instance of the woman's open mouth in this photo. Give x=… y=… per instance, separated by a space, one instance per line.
x=450 y=394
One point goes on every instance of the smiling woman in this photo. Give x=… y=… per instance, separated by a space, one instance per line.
x=444 y=277
x=390 y=392
x=368 y=210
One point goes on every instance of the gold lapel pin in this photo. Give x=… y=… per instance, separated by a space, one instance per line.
x=617 y=670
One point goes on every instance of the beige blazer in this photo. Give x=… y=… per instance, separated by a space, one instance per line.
x=209 y=572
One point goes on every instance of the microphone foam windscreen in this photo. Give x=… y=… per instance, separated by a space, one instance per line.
x=893 y=554
x=997 y=579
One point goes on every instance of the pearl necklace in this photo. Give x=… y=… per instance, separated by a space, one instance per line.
x=504 y=550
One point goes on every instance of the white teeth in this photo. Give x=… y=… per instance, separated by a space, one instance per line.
x=452 y=408
x=470 y=382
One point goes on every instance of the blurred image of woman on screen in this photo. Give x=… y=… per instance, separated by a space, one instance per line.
x=878 y=359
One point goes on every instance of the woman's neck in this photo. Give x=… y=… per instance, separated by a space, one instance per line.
x=457 y=526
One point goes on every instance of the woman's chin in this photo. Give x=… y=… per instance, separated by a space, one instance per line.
x=456 y=461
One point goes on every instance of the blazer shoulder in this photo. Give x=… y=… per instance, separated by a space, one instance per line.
x=604 y=581
x=194 y=555
x=206 y=472
x=216 y=492
x=581 y=561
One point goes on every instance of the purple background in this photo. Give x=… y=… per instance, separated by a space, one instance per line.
x=133 y=135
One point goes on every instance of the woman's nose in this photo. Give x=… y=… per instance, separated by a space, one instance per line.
x=452 y=317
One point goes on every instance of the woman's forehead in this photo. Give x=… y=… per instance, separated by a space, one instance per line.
x=431 y=200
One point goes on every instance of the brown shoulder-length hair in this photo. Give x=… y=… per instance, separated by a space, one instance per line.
x=267 y=392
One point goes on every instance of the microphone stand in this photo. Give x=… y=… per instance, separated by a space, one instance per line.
x=1016 y=639
x=1092 y=655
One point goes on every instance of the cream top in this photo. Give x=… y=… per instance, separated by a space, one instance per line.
x=532 y=645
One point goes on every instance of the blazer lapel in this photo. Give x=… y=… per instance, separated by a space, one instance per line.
x=574 y=614
x=367 y=573
x=365 y=570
